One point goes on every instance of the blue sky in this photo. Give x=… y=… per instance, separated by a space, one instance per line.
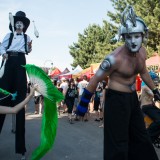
x=58 y=23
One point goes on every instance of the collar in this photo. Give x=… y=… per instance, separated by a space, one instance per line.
x=16 y=33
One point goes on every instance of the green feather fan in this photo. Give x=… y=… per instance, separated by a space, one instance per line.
x=50 y=117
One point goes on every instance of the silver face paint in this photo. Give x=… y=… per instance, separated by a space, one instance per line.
x=19 y=25
x=133 y=41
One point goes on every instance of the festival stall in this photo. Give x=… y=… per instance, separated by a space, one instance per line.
x=89 y=72
x=69 y=74
x=66 y=70
x=55 y=73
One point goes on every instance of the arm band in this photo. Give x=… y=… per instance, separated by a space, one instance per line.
x=105 y=65
x=83 y=104
x=85 y=99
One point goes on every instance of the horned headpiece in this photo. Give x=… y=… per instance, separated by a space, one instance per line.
x=131 y=23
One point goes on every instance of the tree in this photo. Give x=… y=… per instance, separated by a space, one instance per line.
x=92 y=45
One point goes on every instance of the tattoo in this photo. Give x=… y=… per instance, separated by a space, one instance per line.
x=105 y=65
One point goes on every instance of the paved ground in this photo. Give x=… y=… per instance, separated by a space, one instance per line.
x=81 y=140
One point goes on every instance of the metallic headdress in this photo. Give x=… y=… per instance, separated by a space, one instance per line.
x=131 y=23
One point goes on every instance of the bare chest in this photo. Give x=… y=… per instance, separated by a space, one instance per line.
x=130 y=67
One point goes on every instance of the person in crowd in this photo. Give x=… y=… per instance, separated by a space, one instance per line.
x=13 y=49
x=54 y=82
x=70 y=98
x=76 y=80
x=125 y=134
x=97 y=100
x=102 y=100
x=151 y=111
x=147 y=99
x=38 y=101
x=64 y=87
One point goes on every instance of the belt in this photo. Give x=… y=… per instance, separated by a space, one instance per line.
x=15 y=53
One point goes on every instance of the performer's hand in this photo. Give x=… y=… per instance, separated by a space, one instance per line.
x=33 y=88
x=5 y=56
x=156 y=94
x=29 y=46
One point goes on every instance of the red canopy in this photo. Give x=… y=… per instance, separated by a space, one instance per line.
x=55 y=72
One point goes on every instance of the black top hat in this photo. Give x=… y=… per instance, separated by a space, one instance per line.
x=20 y=16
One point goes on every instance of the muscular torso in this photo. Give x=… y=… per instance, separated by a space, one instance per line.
x=123 y=71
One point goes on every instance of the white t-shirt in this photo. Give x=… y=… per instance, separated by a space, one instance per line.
x=64 y=86
x=81 y=85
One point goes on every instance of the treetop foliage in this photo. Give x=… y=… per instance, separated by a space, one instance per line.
x=98 y=41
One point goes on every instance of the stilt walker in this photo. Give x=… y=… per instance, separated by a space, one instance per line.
x=14 y=47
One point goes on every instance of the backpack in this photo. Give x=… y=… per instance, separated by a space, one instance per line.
x=154 y=133
x=11 y=38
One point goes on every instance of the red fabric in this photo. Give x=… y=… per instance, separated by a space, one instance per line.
x=138 y=83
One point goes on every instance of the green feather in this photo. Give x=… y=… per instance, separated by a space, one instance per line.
x=49 y=129
x=50 y=118
x=45 y=85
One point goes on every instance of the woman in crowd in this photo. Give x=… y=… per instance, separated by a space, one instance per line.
x=70 y=96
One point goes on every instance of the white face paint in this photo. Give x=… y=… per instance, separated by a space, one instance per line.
x=19 y=25
x=133 y=41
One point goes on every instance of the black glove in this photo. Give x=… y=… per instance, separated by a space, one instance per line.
x=156 y=94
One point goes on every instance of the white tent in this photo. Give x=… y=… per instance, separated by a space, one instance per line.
x=75 y=71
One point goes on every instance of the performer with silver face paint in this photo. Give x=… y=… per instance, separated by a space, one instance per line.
x=125 y=135
x=14 y=47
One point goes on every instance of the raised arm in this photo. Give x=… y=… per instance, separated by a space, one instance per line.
x=105 y=69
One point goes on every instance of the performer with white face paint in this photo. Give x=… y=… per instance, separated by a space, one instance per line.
x=133 y=41
x=14 y=47
x=125 y=135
